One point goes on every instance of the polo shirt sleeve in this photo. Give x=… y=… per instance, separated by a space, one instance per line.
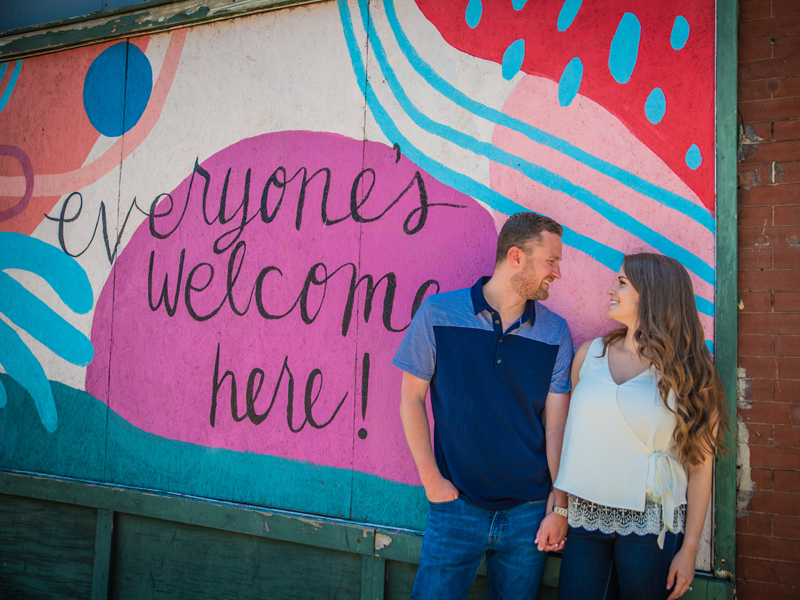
x=560 y=381
x=417 y=351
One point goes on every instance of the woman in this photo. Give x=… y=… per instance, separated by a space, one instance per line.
x=645 y=422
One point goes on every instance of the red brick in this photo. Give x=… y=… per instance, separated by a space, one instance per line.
x=757 y=390
x=766 y=323
x=787 y=301
x=773 y=237
x=761 y=367
x=788 y=437
x=751 y=569
x=788 y=481
x=766 y=195
x=784 y=88
x=756 y=345
x=763 y=480
x=777 y=503
x=758 y=9
x=786 y=527
x=769 y=68
x=755 y=302
x=760 y=435
x=774 y=27
x=785 y=7
x=756 y=546
x=778 y=109
x=787 y=345
x=787 y=215
x=778 y=280
x=787 y=130
x=787 y=391
x=786 y=46
x=767 y=152
x=758 y=216
x=750 y=175
x=757 y=132
x=776 y=458
x=786 y=258
x=787 y=172
x=760 y=89
x=787 y=573
x=756 y=590
x=755 y=259
x=755 y=50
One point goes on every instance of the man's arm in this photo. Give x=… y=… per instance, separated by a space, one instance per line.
x=554 y=527
x=418 y=435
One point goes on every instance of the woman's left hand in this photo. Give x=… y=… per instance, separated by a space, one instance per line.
x=681 y=573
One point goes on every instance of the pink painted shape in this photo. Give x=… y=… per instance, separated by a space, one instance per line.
x=160 y=369
x=57 y=184
x=580 y=296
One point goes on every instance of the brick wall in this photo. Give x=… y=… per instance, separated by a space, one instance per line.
x=768 y=525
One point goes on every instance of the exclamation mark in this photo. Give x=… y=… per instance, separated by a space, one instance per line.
x=362 y=433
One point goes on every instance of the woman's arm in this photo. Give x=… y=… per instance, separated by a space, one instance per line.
x=577 y=363
x=698 y=494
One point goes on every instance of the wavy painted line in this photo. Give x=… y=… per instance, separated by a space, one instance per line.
x=606 y=256
x=62 y=183
x=27 y=171
x=534 y=172
x=626 y=178
x=11 y=83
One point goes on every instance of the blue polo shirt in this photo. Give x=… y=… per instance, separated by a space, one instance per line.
x=488 y=391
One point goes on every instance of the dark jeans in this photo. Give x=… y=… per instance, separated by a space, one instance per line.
x=599 y=566
x=457 y=535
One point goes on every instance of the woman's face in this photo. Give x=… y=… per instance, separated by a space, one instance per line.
x=623 y=305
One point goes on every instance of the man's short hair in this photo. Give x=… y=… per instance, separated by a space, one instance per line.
x=524 y=230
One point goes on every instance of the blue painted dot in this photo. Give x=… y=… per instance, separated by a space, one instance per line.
x=512 y=59
x=680 y=33
x=625 y=48
x=693 y=157
x=518 y=4
x=570 y=82
x=656 y=106
x=474 y=13
x=568 y=12
x=115 y=97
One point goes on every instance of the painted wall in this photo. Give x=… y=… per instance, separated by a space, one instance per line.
x=212 y=239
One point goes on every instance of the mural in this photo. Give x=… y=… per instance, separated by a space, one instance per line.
x=213 y=239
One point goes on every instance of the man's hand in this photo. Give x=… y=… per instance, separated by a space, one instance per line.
x=552 y=533
x=440 y=490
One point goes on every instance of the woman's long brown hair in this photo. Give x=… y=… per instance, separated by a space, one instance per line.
x=671 y=337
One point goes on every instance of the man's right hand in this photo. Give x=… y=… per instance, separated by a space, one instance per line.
x=440 y=490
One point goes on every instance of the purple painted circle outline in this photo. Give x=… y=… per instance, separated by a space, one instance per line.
x=27 y=170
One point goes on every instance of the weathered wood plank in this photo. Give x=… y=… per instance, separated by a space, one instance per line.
x=157 y=559
x=102 y=554
x=46 y=549
x=373 y=577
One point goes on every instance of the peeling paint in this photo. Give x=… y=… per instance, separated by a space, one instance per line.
x=314 y=524
x=381 y=541
x=777 y=172
x=745 y=486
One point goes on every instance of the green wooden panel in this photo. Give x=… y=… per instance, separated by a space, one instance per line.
x=726 y=294
x=158 y=559
x=46 y=549
x=373 y=577
x=102 y=554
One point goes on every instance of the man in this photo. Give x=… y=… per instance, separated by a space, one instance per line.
x=496 y=362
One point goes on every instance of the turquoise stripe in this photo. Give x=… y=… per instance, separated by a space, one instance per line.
x=606 y=256
x=630 y=180
x=11 y=83
x=534 y=172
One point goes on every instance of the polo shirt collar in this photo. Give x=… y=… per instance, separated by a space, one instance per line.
x=479 y=302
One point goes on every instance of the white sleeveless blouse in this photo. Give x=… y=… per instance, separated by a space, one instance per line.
x=619 y=450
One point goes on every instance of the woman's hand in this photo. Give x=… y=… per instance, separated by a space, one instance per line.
x=681 y=573
x=552 y=533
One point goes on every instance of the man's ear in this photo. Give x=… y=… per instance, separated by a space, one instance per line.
x=515 y=256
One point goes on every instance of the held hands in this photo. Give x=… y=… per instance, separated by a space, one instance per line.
x=552 y=533
x=440 y=490
x=681 y=573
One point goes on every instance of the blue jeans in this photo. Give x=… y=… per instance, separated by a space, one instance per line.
x=456 y=537
x=599 y=566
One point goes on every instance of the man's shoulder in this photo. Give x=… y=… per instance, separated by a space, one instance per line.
x=546 y=314
x=550 y=325
x=455 y=300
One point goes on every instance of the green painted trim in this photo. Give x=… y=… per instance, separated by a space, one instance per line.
x=705 y=587
x=141 y=19
x=724 y=542
x=305 y=529
x=373 y=577
x=102 y=554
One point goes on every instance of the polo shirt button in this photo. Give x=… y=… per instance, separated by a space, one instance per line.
x=498 y=361
x=500 y=342
x=497 y=322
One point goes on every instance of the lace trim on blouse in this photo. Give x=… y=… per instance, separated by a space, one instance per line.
x=608 y=520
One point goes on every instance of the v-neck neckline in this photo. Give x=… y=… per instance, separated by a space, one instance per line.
x=611 y=375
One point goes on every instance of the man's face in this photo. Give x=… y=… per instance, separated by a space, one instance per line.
x=538 y=268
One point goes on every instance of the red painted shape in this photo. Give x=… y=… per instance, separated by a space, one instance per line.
x=686 y=76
